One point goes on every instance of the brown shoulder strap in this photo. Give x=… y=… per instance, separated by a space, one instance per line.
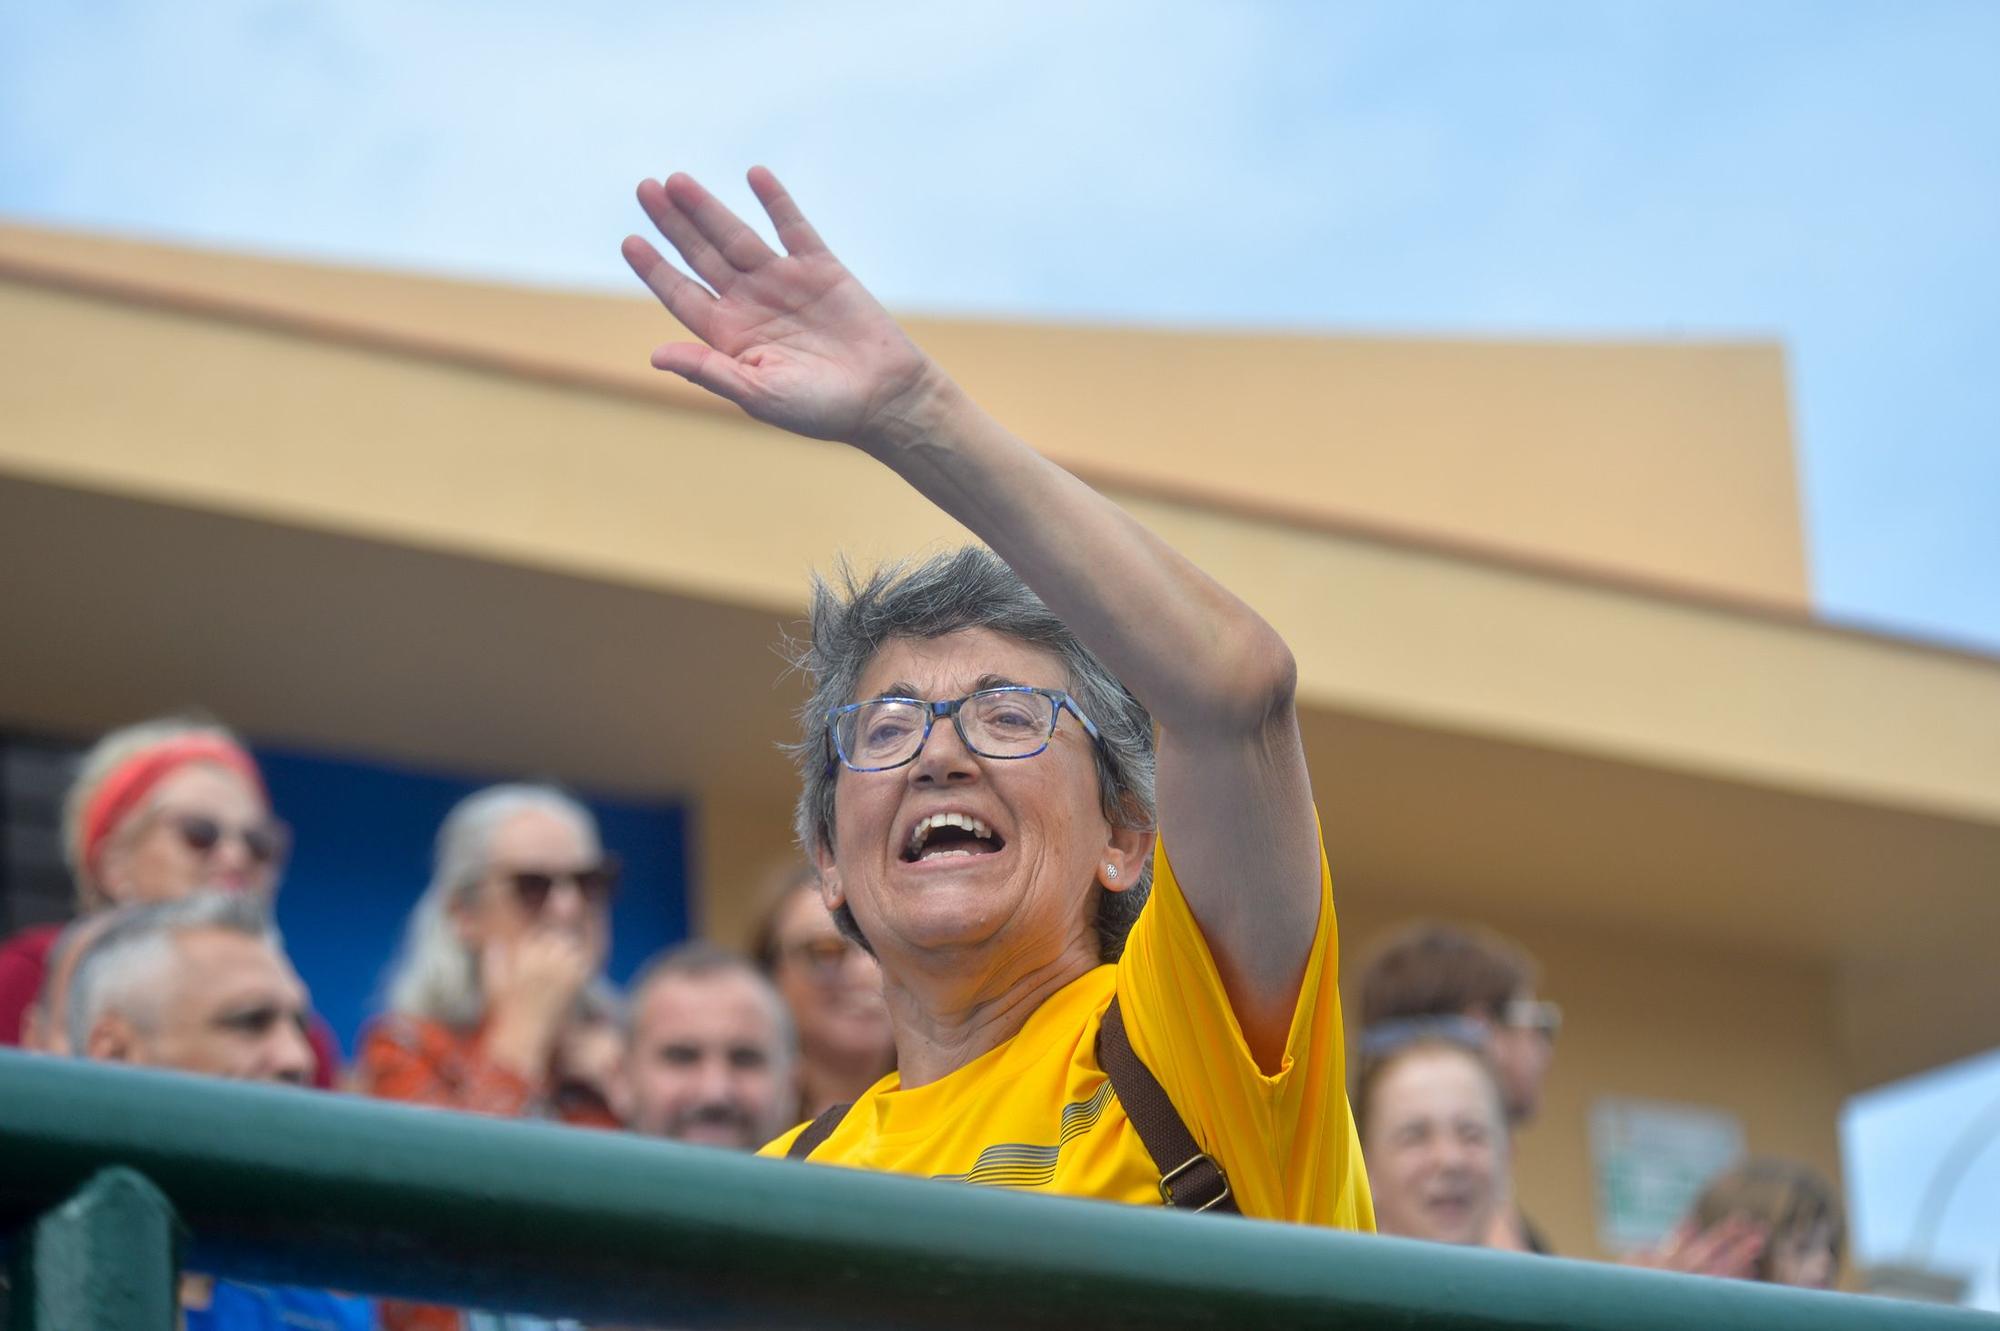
x=817 y=1131
x=1190 y=1178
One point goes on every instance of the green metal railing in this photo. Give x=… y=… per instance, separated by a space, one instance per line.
x=100 y=1168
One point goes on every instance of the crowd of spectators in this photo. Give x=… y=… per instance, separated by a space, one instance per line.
x=990 y=945
x=496 y=1003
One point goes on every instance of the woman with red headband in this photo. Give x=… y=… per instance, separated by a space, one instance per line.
x=158 y=811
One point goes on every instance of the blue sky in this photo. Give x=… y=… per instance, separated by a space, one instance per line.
x=1827 y=174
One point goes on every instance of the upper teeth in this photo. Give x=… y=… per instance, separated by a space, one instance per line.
x=965 y=820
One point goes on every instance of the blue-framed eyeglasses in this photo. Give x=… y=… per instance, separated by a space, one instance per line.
x=1012 y=721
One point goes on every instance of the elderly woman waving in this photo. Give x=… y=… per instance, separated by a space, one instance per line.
x=1082 y=1005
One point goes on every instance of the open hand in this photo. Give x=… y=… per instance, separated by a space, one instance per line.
x=1729 y=1248
x=792 y=339
x=536 y=978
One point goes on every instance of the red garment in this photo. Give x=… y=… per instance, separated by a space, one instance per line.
x=24 y=960
x=24 y=964
x=425 y=1062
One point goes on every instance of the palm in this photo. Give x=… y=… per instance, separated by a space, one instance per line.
x=793 y=339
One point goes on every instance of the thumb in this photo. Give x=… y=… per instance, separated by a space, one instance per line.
x=704 y=367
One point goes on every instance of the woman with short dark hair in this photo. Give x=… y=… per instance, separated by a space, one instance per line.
x=1110 y=966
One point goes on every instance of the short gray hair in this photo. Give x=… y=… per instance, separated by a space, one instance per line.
x=435 y=975
x=853 y=617
x=697 y=959
x=121 y=969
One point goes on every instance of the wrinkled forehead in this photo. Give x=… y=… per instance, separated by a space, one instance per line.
x=540 y=838
x=207 y=788
x=958 y=663
x=804 y=916
x=719 y=1007
x=216 y=969
x=1436 y=1082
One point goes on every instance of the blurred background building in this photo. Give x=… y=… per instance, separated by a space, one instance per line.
x=1558 y=669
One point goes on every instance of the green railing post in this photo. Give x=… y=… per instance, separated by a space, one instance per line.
x=108 y=1259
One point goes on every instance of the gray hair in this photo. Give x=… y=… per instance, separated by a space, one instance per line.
x=435 y=976
x=700 y=960
x=854 y=617
x=122 y=968
x=110 y=753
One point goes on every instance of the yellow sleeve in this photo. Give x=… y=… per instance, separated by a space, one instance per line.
x=1286 y=1139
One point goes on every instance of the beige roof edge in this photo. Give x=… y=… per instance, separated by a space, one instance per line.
x=22 y=261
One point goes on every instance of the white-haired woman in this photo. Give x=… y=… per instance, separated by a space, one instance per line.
x=496 y=959
x=497 y=963
x=981 y=788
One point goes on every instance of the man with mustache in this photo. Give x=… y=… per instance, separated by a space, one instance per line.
x=708 y=1058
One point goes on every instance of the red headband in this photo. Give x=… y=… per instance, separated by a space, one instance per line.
x=131 y=781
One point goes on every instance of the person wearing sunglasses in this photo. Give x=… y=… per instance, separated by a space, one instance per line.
x=159 y=811
x=833 y=990
x=497 y=963
x=497 y=956
x=982 y=787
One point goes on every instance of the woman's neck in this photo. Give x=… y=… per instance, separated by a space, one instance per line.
x=941 y=1026
x=824 y=1082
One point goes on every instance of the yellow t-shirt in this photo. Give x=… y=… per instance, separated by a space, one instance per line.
x=1039 y=1113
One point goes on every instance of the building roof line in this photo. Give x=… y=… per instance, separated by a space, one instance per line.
x=184 y=299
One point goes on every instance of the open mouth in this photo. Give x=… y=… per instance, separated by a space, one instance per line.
x=1452 y=1204
x=947 y=835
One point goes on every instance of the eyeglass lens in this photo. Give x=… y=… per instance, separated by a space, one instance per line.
x=995 y=723
x=824 y=956
x=532 y=886
x=264 y=843
x=1541 y=1016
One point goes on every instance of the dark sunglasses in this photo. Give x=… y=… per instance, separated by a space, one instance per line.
x=264 y=843
x=596 y=884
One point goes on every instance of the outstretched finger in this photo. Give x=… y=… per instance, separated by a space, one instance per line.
x=685 y=299
x=737 y=243
x=705 y=368
x=708 y=263
x=796 y=234
x=1727 y=1248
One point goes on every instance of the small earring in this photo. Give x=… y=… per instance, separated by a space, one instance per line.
x=1111 y=872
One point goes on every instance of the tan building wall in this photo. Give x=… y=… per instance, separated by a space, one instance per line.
x=1668 y=462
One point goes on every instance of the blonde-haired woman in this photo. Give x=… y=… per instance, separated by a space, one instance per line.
x=158 y=811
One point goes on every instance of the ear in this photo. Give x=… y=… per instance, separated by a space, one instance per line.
x=618 y=1086
x=1127 y=851
x=35 y=1029
x=114 y=1040
x=104 y=883
x=830 y=891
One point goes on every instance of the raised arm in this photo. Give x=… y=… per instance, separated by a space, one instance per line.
x=797 y=342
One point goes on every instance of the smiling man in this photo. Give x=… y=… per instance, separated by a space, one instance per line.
x=708 y=1058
